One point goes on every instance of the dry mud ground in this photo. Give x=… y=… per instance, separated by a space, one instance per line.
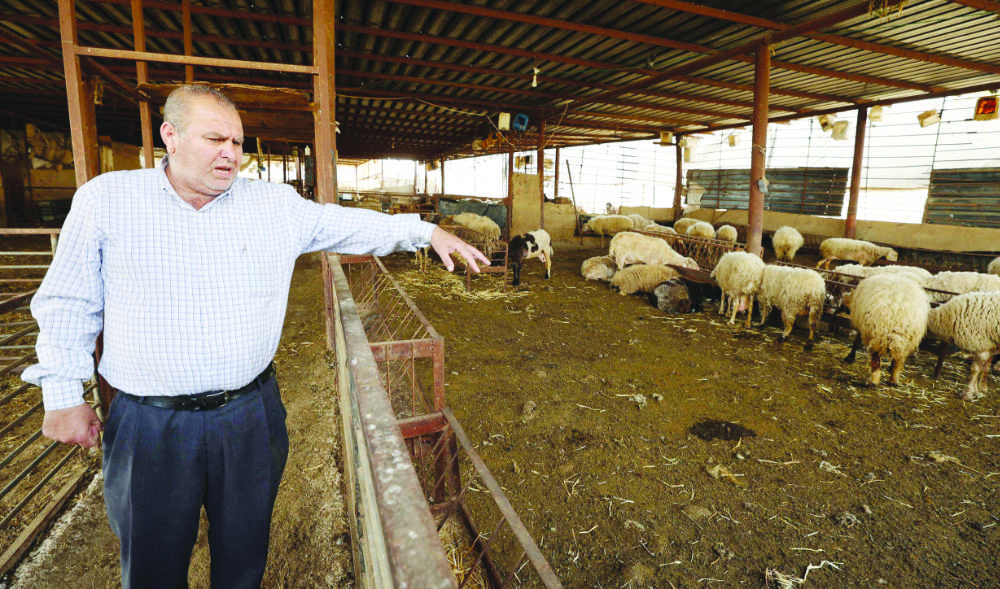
x=887 y=487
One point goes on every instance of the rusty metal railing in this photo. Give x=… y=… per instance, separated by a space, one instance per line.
x=406 y=455
x=37 y=476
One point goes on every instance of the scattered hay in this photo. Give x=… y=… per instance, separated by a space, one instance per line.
x=461 y=554
x=452 y=285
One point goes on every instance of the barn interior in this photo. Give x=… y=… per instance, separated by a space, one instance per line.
x=435 y=81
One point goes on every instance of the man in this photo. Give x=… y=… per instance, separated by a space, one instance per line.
x=186 y=268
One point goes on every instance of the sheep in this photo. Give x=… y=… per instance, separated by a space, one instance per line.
x=727 y=233
x=661 y=229
x=794 y=291
x=738 y=274
x=701 y=229
x=598 y=268
x=478 y=223
x=608 y=224
x=786 y=242
x=857 y=272
x=681 y=225
x=632 y=248
x=533 y=244
x=641 y=278
x=953 y=283
x=638 y=221
x=672 y=296
x=970 y=321
x=890 y=313
x=860 y=251
x=994 y=267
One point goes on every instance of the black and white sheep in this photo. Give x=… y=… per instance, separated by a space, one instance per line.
x=533 y=244
x=857 y=250
x=674 y=296
x=786 y=242
x=890 y=313
x=971 y=322
x=738 y=274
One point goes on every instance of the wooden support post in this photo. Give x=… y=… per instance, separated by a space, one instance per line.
x=142 y=76
x=540 y=167
x=188 y=44
x=679 y=183
x=555 y=179
x=510 y=189
x=755 y=217
x=442 y=176
x=79 y=98
x=324 y=123
x=851 y=223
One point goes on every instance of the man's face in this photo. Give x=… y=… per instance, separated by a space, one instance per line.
x=205 y=157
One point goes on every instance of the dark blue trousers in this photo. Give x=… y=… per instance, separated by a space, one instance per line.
x=162 y=465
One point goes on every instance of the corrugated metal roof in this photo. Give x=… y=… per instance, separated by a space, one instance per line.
x=427 y=78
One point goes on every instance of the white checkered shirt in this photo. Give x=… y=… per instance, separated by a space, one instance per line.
x=189 y=300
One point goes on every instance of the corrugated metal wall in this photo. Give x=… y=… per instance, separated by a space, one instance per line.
x=805 y=191
x=964 y=197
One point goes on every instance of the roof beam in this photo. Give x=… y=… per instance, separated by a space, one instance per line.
x=555 y=23
x=828 y=38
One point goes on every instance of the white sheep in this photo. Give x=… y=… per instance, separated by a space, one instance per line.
x=727 y=233
x=857 y=272
x=794 y=291
x=598 y=268
x=786 y=242
x=630 y=247
x=701 y=229
x=953 y=283
x=657 y=228
x=972 y=322
x=890 y=313
x=638 y=221
x=738 y=274
x=857 y=250
x=994 y=267
x=608 y=224
x=479 y=223
x=641 y=278
x=681 y=225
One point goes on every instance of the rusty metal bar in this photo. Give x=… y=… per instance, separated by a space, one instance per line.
x=851 y=223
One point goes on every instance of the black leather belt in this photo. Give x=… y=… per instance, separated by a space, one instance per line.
x=203 y=401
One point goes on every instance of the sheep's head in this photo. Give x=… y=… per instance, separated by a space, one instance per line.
x=689 y=263
x=891 y=254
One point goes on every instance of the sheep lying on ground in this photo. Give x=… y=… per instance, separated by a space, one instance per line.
x=953 y=283
x=630 y=247
x=860 y=251
x=533 y=244
x=681 y=225
x=701 y=229
x=794 y=291
x=673 y=296
x=598 y=268
x=641 y=278
x=786 y=242
x=608 y=224
x=890 y=313
x=738 y=274
x=994 y=267
x=727 y=233
x=972 y=322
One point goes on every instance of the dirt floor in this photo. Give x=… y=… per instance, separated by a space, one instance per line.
x=615 y=471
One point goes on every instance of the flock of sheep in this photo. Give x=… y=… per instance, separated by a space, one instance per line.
x=893 y=307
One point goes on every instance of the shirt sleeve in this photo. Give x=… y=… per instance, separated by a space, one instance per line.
x=349 y=230
x=69 y=307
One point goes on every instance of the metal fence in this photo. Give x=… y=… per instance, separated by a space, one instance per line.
x=411 y=472
x=37 y=476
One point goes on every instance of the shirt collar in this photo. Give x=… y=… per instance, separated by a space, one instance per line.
x=168 y=188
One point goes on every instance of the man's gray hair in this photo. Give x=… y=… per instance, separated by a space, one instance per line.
x=175 y=110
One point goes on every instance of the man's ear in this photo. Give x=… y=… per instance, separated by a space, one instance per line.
x=169 y=135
